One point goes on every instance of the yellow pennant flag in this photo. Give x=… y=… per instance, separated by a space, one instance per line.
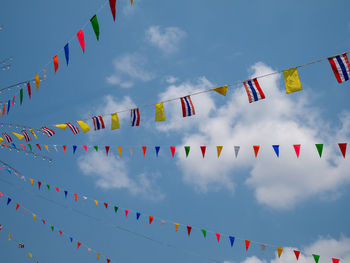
x=37 y=82
x=1 y=139
x=115 y=121
x=96 y=202
x=120 y=150
x=47 y=147
x=221 y=90
x=10 y=237
x=34 y=217
x=279 y=251
x=31 y=130
x=98 y=256
x=291 y=80
x=131 y=1
x=219 y=149
x=61 y=126
x=31 y=180
x=160 y=115
x=176 y=226
x=19 y=136
x=30 y=255
x=84 y=126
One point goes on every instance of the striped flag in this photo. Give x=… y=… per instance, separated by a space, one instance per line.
x=135 y=117
x=48 y=131
x=26 y=136
x=187 y=106
x=253 y=90
x=73 y=128
x=98 y=122
x=341 y=67
x=7 y=137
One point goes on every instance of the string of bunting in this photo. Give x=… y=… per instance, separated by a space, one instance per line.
x=52 y=227
x=151 y=219
x=27 y=84
x=203 y=148
x=35 y=155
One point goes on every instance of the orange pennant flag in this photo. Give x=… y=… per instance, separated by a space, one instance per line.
x=219 y=149
x=55 y=63
x=176 y=226
x=96 y=202
x=119 y=150
x=279 y=251
x=256 y=150
x=98 y=256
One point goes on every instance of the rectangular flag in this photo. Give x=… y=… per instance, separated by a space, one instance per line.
x=98 y=122
x=340 y=66
x=135 y=117
x=160 y=115
x=187 y=106
x=115 y=121
x=73 y=128
x=292 y=80
x=253 y=90
x=26 y=136
x=48 y=131
x=7 y=137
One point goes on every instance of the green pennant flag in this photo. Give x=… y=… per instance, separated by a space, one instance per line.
x=116 y=209
x=95 y=26
x=96 y=148
x=187 y=150
x=319 y=149
x=48 y=187
x=30 y=147
x=204 y=232
x=21 y=95
x=52 y=228
x=316 y=257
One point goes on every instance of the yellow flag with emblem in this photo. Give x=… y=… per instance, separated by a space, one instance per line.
x=292 y=80
x=61 y=126
x=19 y=136
x=84 y=126
x=221 y=90
x=115 y=121
x=160 y=115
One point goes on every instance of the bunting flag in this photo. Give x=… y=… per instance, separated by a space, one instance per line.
x=150 y=220
x=21 y=96
x=19 y=136
x=256 y=150
x=96 y=203
x=172 y=149
x=218 y=235
x=157 y=150
x=46 y=147
x=9 y=200
x=204 y=232
x=276 y=148
x=29 y=90
x=253 y=90
x=3 y=110
x=203 y=149
x=131 y=1
x=279 y=251
x=85 y=148
x=8 y=106
x=34 y=216
x=126 y=212
x=232 y=240
x=61 y=126
x=247 y=244
x=98 y=122
x=66 y=53
x=291 y=80
x=160 y=115
x=115 y=121
x=187 y=106
x=221 y=90
x=48 y=131
x=37 y=145
x=64 y=148
x=316 y=258
x=106 y=205
x=84 y=127
x=297 y=149
x=115 y=209
x=73 y=128
x=55 y=63
x=144 y=148
x=13 y=101
x=135 y=117
x=80 y=36
x=10 y=236
x=237 y=150
x=119 y=150
x=74 y=148
x=112 y=6
x=335 y=260
x=187 y=150
x=7 y=137
x=95 y=26
x=297 y=254
x=107 y=150
x=176 y=226
x=342 y=147
x=189 y=228
x=262 y=246
x=32 y=132
x=17 y=206
x=341 y=67
x=218 y=150
x=37 y=82
x=319 y=148
x=96 y=148
x=26 y=136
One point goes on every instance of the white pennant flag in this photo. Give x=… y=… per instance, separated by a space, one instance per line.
x=237 y=150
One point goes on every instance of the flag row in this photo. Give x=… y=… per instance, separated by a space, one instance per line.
x=150 y=219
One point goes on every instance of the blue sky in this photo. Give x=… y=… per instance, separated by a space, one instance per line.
x=158 y=50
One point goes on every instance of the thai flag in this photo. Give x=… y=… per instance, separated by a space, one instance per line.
x=341 y=67
x=98 y=122
x=20 y=245
x=253 y=90
x=135 y=117
x=26 y=136
x=7 y=137
x=48 y=131
x=73 y=128
x=187 y=106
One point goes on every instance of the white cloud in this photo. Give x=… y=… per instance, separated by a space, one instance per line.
x=167 y=40
x=171 y=79
x=279 y=119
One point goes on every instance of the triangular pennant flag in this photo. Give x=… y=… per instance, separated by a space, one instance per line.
x=37 y=82
x=247 y=244
x=89 y=250
x=157 y=150
x=119 y=150
x=256 y=150
x=78 y=244
x=61 y=126
x=115 y=209
x=32 y=131
x=187 y=150
x=150 y=220
x=160 y=115
x=262 y=246
x=80 y=36
x=95 y=26
x=75 y=197
x=42 y=220
x=10 y=237
x=74 y=148
x=39 y=184
x=237 y=150
x=297 y=149
x=13 y=101
x=172 y=149
x=276 y=148
x=57 y=189
x=176 y=226
x=55 y=63
x=106 y=205
x=138 y=215
x=218 y=150
x=38 y=145
x=203 y=149
x=112 y=6
x=66 y=52
x=131 y=149
x=19 y=136
x=335 y=260
x=144 y=148
x=59 y=231
x=221 y=90
x=46 y=147
x=218 y=236
x=24 y=147
x=30 y=255
x=34 y=216
x=291 y=80
x=9 y=200
x=48 y=187
x=96 y=202
x=71 y=239
x=84 y=127
x=319 y=149
x=96 y=148
x=29 y=90
x=65 y=194
x=342 y=147
x=189 y=228
x=8 y=106
x=85 y=148
x=115 y=121
x=107 y=150
x=52 y=228
x=204 y=232
x=126 y=212
x=232 y=240
x=316 y=257
x=108 y=260
x=279 y=251
x=98 y=256
x=21 y=96
x=131 y=1
x=297 y=254
x=17 y=206
x=31 y=180
x=64 y=148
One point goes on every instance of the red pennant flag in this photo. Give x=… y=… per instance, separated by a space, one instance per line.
x=126 y=212
x=342 y=147
x=80 y=36
x=218 y=236
x=108 y=260
x=55 y=63
x=335 y=260
x=3 y=110
x=172 y=149
x=39 y=184
x=203 y=149
x=78 y=244
x=106 y=205
x=107 y=150
x=112 y=5
x=57 y=189
x=297 y=149
x=17 y=206
x=144 y=148
x=247 y=244
x=59 y=231
x=85 y=148
x=64 y=148
x=43 y=221
x=37 y=145
x=29 y=90
x=76 y=197
x=256 y=150
x=189 y=228
x=297 y=254
x=150 y=220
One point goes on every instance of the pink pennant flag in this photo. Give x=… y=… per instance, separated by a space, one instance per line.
x=172 y=149
x=218 y=236
x=126 y=212
x=85 y=148
x=23 y=146
x=342 y=147
x=247 y=244
x=144 y=148
x=203 y=149
x=150 y=220
x=80 y=36
x=297 y=149
x=13 y=101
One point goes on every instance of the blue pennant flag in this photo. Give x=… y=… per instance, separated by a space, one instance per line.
x=138 y=215
x=74 y=148
x=9 y=200
x=8 y=106
x=232 y=240
x=157 y=150
x=66 y=53
x=71 y=239
x=65 y=193
x=277 y=149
